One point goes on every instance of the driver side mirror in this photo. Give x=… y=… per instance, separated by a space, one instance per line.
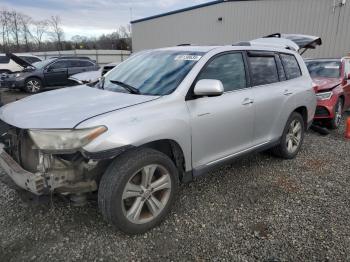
x=49 y=69
x=209 y=87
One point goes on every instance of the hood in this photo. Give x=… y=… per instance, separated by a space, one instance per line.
x=19 y=60
x=87 y=77
x=65 y=108
x=324 y=84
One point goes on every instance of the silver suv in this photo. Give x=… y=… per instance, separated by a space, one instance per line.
x=160 y=118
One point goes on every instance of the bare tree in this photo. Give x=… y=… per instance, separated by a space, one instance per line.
x=57 y=31
x=5 y=29
x=15 y=26
x=39 y=30
x=25 y=24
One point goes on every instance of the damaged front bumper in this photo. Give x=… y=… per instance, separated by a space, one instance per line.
x=53 y=175
x=34 y=183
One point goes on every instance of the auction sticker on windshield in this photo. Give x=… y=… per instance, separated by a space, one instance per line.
x=188 y=58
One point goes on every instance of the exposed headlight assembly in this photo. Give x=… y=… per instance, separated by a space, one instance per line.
x=65 y=139
x=324 y=95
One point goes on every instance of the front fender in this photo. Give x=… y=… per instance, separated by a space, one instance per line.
x=142 y=124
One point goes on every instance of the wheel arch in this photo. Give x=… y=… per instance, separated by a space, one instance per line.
x=35 y=77
x=174 y=151
x=302 y=110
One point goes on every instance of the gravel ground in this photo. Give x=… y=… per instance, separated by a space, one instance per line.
x=257 y=209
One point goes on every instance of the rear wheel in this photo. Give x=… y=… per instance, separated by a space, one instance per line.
x=137 y=190
x=33 y=85
x=338 y=115
x=292 y=138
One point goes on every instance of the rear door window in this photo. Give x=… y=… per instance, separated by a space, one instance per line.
x=229 y=69
x=291 y=66
x=263 y=70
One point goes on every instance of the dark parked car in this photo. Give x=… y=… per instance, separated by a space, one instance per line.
x=51 y=72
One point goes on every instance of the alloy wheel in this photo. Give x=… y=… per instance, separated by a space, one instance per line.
x=338 y=113
x=146 y=194
x=294 y=135
x=33 y=86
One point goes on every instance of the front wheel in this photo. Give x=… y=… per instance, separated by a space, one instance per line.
x=292 y=138
x=338 y=115
x=33 y=85
x=137 y=190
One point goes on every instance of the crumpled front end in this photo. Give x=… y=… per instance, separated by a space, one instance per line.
x=42 y=173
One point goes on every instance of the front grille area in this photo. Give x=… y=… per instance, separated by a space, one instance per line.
x=321 y=111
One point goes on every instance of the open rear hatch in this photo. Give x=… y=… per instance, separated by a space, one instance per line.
x=296 y=42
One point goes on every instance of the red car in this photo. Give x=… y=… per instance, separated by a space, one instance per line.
x=332 y=79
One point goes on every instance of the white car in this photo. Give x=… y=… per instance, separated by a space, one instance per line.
x=10 y=63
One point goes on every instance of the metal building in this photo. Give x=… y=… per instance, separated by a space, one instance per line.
x=227 y=22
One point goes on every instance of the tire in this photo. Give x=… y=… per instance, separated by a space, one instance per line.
x=283 y=150
x=33 y=85
x=338 y=114
x=116 y=202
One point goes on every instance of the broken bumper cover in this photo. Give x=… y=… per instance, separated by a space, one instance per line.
x=34 y=183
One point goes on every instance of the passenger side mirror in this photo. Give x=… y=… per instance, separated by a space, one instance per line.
x=209 y=87
x=348 y=76
x=49 y=69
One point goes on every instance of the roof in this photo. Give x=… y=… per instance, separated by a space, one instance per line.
x=186 y=9
x=190 y=48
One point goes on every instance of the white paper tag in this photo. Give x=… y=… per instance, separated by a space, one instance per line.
x=188 y=58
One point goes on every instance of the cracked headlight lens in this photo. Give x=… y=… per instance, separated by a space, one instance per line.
x=65 y=139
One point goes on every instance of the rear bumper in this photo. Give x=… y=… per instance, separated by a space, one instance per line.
x=34 y=183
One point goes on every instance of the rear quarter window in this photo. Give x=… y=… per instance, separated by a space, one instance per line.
x=291 y=66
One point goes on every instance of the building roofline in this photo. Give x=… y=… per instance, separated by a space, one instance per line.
x=185 y=10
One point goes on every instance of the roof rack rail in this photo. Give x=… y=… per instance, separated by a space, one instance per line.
x=242 y=44
x=72 y=57
x=184 y=44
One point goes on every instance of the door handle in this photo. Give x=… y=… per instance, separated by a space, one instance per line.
x=247 y=101
x=287 y=93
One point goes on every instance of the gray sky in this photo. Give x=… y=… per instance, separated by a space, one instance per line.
x=94 y=17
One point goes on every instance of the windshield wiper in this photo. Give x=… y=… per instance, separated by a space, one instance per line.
x=131 y=89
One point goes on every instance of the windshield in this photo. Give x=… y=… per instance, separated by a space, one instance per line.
x=329 y=69
x=42 y=64
x=152 y=73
